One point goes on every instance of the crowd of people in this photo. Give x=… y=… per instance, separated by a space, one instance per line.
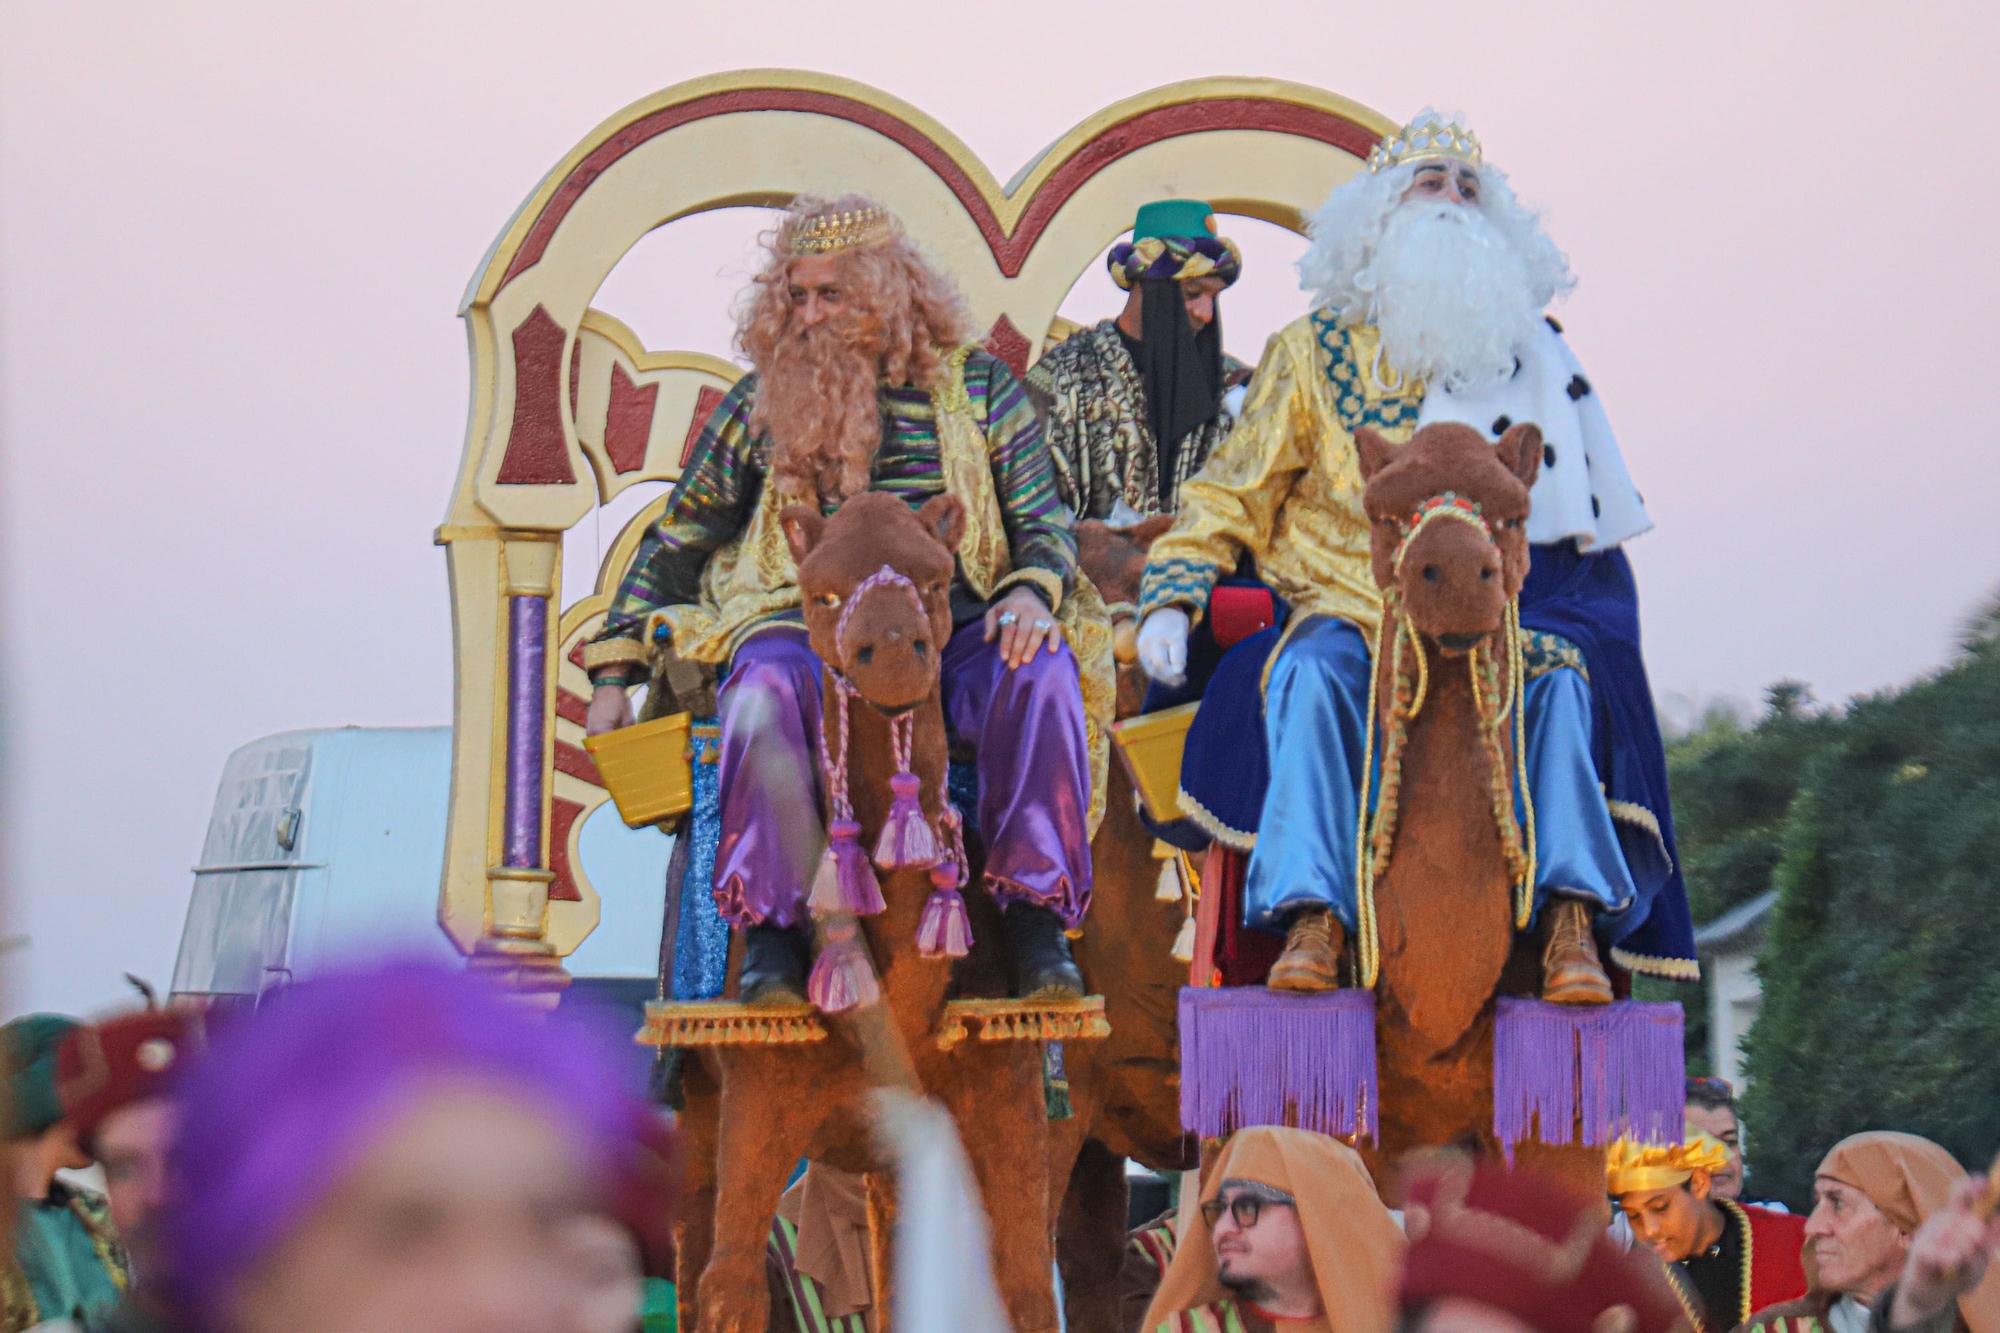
x=403 y=1147
x=393 y=1148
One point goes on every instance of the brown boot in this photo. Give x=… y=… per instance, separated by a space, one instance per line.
x=1311 y=958
x=1571 y=970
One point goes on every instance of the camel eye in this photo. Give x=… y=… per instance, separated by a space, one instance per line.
x=829 y=599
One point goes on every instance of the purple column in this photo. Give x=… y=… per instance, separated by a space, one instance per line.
x=527 y=684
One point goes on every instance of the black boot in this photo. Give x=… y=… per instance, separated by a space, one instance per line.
x=774 y=966
x=1039 y=952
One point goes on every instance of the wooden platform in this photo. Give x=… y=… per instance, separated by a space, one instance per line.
x=697 y=1023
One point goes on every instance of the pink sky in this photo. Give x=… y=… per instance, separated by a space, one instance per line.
x=233 y=390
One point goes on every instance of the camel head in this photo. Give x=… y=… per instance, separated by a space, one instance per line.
x=1113 y=559
x=875 y=583
x=1448 y=515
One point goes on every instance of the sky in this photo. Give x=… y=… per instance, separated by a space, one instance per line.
x=233 y=388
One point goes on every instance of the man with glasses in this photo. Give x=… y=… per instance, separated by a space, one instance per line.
x=1290 y=1231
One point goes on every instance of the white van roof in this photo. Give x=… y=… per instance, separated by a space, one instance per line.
x=329 y=843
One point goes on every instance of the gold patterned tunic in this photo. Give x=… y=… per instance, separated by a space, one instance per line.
x=1285 y=486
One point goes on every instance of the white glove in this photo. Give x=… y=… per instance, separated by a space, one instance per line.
x=1163 y=645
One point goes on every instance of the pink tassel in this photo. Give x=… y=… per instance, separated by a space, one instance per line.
x=944 y=930
x=845 y=884
x=907 y=841
x=842 y=977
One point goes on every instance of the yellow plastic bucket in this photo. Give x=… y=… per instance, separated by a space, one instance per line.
x=647 y=768
x=1150 y=746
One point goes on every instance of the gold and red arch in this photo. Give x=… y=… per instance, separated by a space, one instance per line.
x=568 y=408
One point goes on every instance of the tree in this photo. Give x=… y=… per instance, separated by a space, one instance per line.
x=1733 y=789
x=1881 y=995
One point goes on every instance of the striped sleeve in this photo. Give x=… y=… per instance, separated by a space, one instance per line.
x=709 y=506
x=1041 y=541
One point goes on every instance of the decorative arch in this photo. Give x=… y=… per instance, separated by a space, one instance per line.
x=568 y=408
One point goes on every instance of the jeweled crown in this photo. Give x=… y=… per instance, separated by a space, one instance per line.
x=1428 y=136
x=849 y=229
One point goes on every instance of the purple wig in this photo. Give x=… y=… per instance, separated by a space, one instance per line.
x=284 y=1101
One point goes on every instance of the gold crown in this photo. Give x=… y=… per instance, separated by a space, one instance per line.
x=829 y=233
x=1423 y=139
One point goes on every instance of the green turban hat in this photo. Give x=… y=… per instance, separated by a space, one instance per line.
x=28 y=1045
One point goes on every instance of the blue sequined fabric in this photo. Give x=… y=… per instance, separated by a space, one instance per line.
x=701 y=945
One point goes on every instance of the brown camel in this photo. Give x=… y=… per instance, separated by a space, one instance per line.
x=1123 y=1090
x=1447 y=846
x=754 y=1111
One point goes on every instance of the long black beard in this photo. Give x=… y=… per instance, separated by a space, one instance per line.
x=1181 y=371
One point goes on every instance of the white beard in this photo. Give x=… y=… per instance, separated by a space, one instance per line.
x=1453 y=298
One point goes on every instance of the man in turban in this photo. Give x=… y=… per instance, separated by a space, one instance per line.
x=1899 y=1238
x=1493 y=1251
x=115 y=1078
x=67 y=1263
x=862 y=380
x=1291 y=1234
x=402 y=1147
x=1734 y=1258
x=1134 y=405
x=1430 y=283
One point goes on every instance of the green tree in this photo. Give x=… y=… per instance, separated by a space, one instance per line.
x=1881 y=995
x=1733 y=789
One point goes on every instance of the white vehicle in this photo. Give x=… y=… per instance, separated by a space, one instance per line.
x=328 y=845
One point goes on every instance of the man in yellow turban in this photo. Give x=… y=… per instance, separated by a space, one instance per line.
x=1728 y=1258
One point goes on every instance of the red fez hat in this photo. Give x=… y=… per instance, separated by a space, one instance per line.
x=105 y=1067
x=1516 y=1243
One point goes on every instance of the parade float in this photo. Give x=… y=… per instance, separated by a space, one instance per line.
x=569 y=410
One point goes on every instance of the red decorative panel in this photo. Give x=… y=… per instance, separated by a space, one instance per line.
x=535 y=453
x=1007 y=342
x=576 y=652
x=705 y=404
x=576 y=761
x=1112 y=143
x=562 y=816
x=571 y=707
x=629 y=421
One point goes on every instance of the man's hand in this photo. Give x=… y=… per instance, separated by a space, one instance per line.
x=1023 y=623
x=1948 y=1256
x=610 y=709
x=1163 y=645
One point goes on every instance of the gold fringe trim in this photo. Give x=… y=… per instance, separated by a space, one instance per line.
x=1673 y=969
x=1208 y=822
x=1024 y=1020
x=1634 y=813
x=689 y=1023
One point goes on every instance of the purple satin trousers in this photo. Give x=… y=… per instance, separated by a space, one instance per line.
x=1025 y=725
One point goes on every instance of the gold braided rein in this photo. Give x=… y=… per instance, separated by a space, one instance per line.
x=1495 y=704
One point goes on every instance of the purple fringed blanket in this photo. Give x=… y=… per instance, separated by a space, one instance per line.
x=1604 y=1070
x=1248 y=1055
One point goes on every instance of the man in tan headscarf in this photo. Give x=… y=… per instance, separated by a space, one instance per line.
x=1291 y=1234
x=1897 y=1236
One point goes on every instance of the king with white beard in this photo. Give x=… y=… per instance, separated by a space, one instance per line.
x=1430 y=284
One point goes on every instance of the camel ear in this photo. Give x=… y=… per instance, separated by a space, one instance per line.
x=1375 y=452
x=1520 y=451
x=1149 y=530
x=804 y=526
x=944 y=517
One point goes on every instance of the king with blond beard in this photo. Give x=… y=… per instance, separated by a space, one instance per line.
x=1430 y=284
x=859 y=361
